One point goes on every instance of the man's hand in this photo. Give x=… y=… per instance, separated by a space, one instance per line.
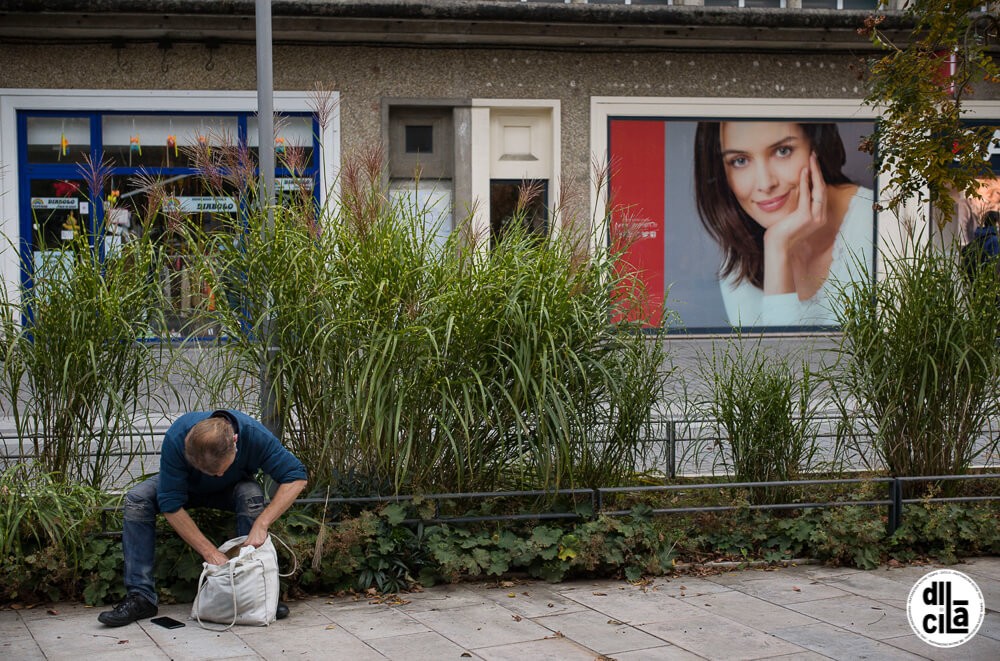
x=283 y=499
x=190 y=533
x=258 y=534
x=216 y=557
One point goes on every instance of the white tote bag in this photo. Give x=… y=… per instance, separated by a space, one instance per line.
x=242 y=591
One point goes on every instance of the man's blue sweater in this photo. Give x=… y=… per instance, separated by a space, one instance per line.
x=256 y=449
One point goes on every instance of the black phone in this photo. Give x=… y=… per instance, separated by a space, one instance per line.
x=167 y=622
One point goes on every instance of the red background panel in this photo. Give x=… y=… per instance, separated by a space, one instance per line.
x=636 y=149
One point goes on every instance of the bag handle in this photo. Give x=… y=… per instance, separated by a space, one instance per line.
x=295 y=560
x=197 y=598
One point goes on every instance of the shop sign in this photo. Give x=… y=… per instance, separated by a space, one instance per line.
x=292 y=183
x=55 y=202
x=200 y=204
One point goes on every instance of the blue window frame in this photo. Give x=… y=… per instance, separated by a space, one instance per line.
x=56 y=200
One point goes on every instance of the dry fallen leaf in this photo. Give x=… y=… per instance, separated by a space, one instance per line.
x=517 y=618
x=123 y=642
x=615 y=622
x=797 y=588
x=550 y=605
x=511 y=595
x=331 y=626
x=506 y=584
x=52 y=611
x=600 y=594
x=466 y=654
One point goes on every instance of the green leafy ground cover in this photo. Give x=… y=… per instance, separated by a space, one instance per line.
x=65 y=557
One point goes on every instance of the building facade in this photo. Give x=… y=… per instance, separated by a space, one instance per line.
x=467 y=98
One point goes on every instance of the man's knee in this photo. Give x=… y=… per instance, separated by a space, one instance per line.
x=140 y=502
x=249 y=499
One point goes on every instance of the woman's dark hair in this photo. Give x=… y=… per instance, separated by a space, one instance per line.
x=739 y=235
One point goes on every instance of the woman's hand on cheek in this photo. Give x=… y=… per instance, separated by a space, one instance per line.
x=781 y=238
x=810 y=213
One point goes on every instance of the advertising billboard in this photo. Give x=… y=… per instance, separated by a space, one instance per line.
x=742 y=223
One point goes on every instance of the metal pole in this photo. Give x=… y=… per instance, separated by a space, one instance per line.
x=896 y=506
x=265 y=134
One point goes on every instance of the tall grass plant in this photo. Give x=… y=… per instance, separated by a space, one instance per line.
x=79 y=373
x=408 y=363
x=761 y=409
x=919 y=366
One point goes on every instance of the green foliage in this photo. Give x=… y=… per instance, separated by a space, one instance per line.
x=434 y=366
x=922 y=141
x=45 y=528
x=944 y=531
x=763 y=413
x=851 y=535
x=79 y=372
x=919 y=370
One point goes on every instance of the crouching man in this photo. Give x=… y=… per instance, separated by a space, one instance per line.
x=208 y=459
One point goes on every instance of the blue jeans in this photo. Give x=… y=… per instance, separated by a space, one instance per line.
x=139 y=530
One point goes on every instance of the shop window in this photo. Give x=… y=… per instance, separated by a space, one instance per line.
x=58 y=139
x=158 y=141
x=152 y=186
x=293 y=141
x=518 y=201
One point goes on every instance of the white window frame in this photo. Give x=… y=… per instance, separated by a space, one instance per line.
x=481 y=158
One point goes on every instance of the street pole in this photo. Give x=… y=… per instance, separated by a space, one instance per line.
x=265 y=129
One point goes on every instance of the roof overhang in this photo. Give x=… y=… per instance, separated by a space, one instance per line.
x=443 y=23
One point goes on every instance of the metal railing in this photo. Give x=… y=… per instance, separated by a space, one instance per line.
x=894 y=500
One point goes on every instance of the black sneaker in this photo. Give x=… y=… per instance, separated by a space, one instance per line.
x=133 y=607
x=281 y=612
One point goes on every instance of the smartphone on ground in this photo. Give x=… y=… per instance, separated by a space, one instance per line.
x=167 y=622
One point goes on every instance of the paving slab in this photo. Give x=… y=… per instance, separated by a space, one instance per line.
x=599 y=632
x=837 y=643
x=991 y=623
x=20 y=648
x=867 y=617
x=749 y=610
x=533 y=600
x=443 y=597
x=482 y=626
x=716 y=637
x=548 y=649
x=786 y=586
x=980 y=648
x=661 y=653
x=875 y=587
x=629 y=604
x=378 y=622
x=312 y=642
x=429 y=645
x=989 y=567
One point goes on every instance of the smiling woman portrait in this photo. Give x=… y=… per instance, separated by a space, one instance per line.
x=790 y=224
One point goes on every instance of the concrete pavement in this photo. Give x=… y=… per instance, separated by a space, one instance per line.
x=801 y=612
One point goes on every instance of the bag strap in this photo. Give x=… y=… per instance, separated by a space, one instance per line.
x=295 y=560
x=197 y=598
